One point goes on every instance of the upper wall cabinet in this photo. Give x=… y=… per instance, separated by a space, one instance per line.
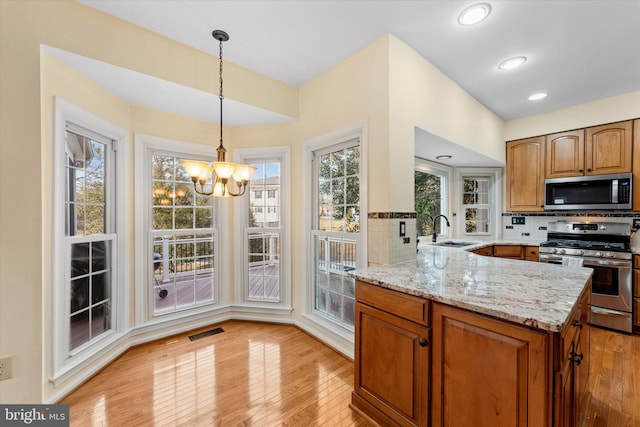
x=592 y=151
x=564 y=154
x=525 y=175
x=636 y=165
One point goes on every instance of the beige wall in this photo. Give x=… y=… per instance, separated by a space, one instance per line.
x=422 y=96
x=606 y=110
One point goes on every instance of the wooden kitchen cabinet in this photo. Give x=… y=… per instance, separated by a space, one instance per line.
x=608 y=148
x=478 y=365
x=392 y=357
x=564 y=153
x=525 y=175
x=595 y=150
x=636 y=165
x=476 y=370
x=532 y=253
x=573 y=374
x=486 y=251
x=508 y=251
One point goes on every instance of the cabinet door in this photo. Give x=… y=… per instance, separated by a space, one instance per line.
x=532 y=253
x=636 y=165
x=507 y=251
x=391 y=367
x=565 y=394
x=564 y=154
x=487 y=373
x=608 y=148
x=525 y=175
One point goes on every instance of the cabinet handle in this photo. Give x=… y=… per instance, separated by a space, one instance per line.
x=580 y=170
x=422 y=342
x=578 y=324
x=588 y=169
x=576 y=358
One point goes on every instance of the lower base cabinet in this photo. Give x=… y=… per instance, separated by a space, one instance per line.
x=423 y=363
x=487 y=372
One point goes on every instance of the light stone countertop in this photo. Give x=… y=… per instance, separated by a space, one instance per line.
x=538 y=295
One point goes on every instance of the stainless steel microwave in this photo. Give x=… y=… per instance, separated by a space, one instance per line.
x=612 y=191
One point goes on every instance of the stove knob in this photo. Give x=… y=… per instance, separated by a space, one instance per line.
x=562 y=251
x=608 y=255
x=554 y=250
x=598 y=255
x=580 y=252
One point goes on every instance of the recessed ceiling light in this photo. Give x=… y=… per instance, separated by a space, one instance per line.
x=537 y=96
x=443 y=157
x=474 y=14
x=511 y=63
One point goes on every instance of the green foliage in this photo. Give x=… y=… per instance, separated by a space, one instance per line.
x=428 y=201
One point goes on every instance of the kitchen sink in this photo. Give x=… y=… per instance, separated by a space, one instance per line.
x=454 y=244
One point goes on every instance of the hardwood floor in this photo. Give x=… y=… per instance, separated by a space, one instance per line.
x=251 y=374
x=614 y=382
x=255 y=374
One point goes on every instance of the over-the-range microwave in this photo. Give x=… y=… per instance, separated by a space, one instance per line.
x=612 y=191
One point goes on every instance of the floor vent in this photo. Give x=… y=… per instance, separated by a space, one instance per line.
x=205 y=334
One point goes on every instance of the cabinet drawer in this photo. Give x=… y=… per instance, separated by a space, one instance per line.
x=407 y=306
x=488 y=251
x=569 y=333
x=636 y=313
x=507 y=251
x=636 y=261
x=532 y=252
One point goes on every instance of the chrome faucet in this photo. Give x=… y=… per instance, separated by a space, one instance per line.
x=435 y=235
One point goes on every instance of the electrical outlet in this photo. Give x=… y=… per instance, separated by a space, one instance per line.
x=6 y=365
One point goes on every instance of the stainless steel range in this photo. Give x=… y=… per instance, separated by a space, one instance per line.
x=605 y=247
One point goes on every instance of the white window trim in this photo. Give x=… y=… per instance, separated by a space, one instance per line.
x=241 y=208
x=332 y=332
x=448 y=195
x=144 y=144
x=62 y=365
x=495 y=200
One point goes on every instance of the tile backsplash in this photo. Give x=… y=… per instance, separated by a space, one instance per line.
x=534 y=230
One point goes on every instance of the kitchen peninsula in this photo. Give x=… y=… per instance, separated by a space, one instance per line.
x=458 y=339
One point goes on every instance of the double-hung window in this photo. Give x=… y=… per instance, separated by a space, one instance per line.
x=477 y=201
x=88 y=257
x=432 y=185
x=182 y=253
x=336 y=229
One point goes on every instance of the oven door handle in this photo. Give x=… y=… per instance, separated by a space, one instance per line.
x=607 y=263
x=607 y=312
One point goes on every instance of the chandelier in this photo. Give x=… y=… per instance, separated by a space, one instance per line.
x=222 y=170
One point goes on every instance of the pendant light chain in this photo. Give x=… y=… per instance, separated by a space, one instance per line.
x=220 y=96
x=221 y=172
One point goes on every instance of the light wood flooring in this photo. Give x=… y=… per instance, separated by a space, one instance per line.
x=256 y=374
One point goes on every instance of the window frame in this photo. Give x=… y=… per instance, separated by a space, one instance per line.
x=448 y=195
x=145 y=147
x=69 y=116
x=242 y=300
x=494 y=200
x=332 y=332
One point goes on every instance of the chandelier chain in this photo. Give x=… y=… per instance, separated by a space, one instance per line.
x=220 y=95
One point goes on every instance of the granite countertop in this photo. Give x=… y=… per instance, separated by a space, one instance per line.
x=538 y=295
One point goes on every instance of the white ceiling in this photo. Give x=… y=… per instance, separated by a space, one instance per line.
x=577 y=50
